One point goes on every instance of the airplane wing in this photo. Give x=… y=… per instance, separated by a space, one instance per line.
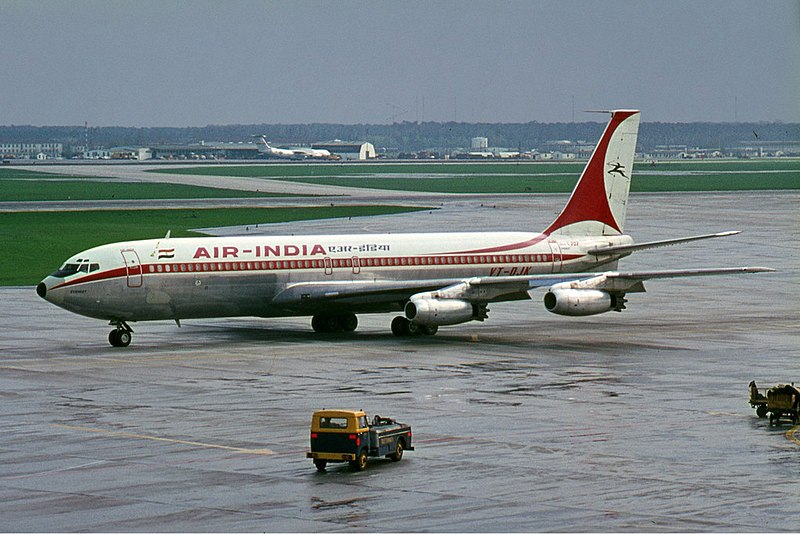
x=477 y=289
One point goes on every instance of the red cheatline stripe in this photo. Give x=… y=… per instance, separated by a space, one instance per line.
x=307 y=264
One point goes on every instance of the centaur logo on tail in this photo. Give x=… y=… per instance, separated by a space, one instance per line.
x=434 y=279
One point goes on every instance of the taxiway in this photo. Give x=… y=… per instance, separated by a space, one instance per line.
x=635 y=421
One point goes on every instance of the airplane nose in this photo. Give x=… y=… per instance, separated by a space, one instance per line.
x=49 y=290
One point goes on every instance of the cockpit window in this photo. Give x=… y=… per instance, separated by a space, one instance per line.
x=81 y=266
x=68 y=269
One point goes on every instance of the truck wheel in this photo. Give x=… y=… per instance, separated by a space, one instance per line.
x=398 y=452
x=320 y=464
x=761 y=411
x=360 y=463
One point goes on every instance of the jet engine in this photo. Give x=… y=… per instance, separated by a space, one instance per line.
x=579 y=302
x=441 y=312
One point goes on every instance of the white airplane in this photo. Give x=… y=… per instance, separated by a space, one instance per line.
x=435 y=279
x=295 y=153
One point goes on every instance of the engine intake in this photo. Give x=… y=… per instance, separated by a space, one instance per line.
x=442 y=312
x=580 y=302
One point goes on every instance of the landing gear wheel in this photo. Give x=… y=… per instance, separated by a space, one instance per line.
x=414 y=329
x=400 y=326
x=331 y=323
x=320 y=464
x=124 y=338
x=429 y=330
x=348 y=322
x=121 y=335
x=317 y=323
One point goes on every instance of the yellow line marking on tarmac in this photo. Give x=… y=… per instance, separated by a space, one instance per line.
x=120 y=434
x=790 y=434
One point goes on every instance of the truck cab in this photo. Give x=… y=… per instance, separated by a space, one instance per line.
x=349 y=436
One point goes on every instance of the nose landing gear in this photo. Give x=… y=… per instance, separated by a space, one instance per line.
x=121 y=335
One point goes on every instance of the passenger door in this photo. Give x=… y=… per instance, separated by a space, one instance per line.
x=133 y=267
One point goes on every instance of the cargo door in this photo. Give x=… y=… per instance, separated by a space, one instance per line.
x=133 y=267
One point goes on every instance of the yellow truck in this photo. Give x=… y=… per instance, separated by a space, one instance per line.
x=781 y=402
x=349 y=436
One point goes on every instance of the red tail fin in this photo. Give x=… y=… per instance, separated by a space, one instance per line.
x=599 y=201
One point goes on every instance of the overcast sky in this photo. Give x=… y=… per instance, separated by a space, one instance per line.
x=194 y=63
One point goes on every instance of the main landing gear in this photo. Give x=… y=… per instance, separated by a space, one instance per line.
x=403 y=327
x=347 y=322
x=121 y=335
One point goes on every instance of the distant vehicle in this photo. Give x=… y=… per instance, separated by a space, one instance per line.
x=780 y=402
x=293 y=153
x=348 y=436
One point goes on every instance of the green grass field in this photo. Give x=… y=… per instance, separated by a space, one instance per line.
x=527 y=177
x=29 y=186
x=33 y=244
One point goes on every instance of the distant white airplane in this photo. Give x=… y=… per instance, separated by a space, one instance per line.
x=435 y=279
x=294 y=153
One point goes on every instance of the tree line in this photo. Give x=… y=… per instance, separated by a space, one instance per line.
x=411 y=136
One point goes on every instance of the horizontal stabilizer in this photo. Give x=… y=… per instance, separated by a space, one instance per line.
x=627 y=249
x=651 y=275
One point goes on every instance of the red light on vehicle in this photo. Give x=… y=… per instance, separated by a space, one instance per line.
x=352 y=437
x=313 y=435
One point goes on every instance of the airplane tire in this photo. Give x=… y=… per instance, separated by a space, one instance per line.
x=124 y=338
x=414 y=329
x=331 y=323
x=348 y=322
x=317 y=323
x=400 y=326
x=430 y=330
x=119 y=338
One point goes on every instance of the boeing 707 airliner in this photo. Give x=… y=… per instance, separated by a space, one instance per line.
x=434 y=279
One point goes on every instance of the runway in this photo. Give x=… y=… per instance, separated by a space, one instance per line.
x=633 y=421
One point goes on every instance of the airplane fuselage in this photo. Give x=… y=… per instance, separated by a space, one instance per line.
x=182 y=278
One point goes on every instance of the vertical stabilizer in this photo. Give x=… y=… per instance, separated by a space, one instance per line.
x=599 y=201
